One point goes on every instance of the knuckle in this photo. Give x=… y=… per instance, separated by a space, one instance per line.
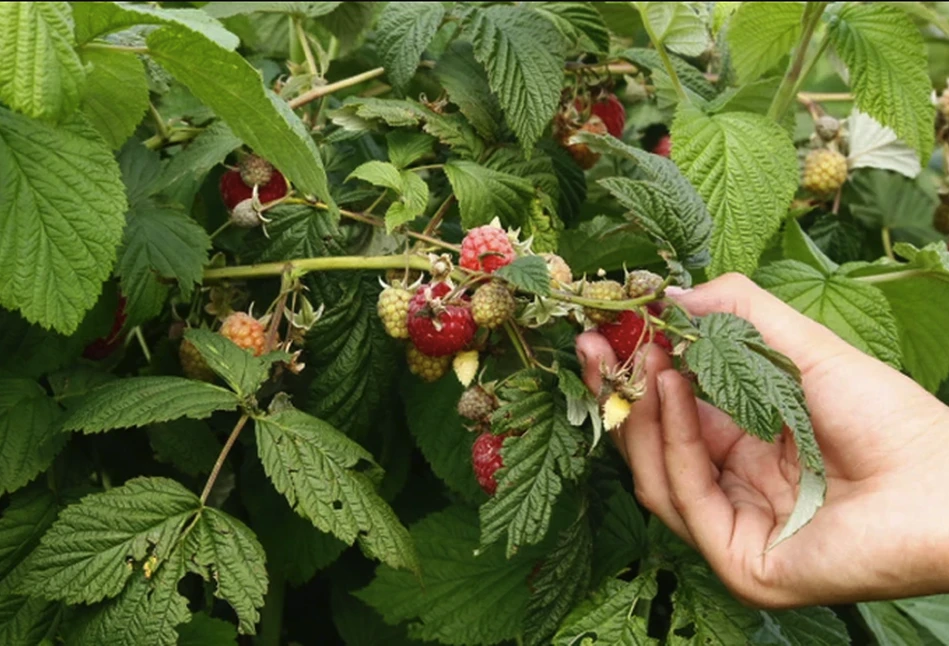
x=647 y=499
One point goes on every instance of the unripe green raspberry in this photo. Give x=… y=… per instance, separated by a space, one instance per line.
x=256 y=170
x=604 y=290
x=193 y=364
x=425 y=367
x=477 y=404
x=492 y=304
x=825 y=171
x=393 y=309
x=642 y=282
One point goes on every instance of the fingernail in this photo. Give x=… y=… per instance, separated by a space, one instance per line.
x=672 y=290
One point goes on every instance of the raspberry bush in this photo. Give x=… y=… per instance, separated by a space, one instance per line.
x=288 y=294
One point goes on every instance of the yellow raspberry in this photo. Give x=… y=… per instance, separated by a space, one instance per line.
x=393 y=309
x=492 y=304
x=245 y=331
x=825 y=171
x=193 y=364
x=425 y=367
x=560 y=274
x=604 y=290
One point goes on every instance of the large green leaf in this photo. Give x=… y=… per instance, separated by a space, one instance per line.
x=467 y=86
x=761 y=34
x=916 y=291
x=680 y=26
x=40 y=73
x=160 y=243
x=224 y=550
x=138 y=401
x=886 y=59
x=704 y=610
x=203 y=630
x=620 y=538
x=889 y=626
x=581 y=25
x=29 y=439
x=24 y=621
x=86 y=555
x=459 y=589
x=95 y=19
x=523 y=55
x=243 y=371
x=315 y=467
x=230 y=85
x=203 y=153
x=858 y=313
x=756 y=386
x=692 y=79
x=484 y=193
x=188 y=444
x=607 y=617
x=930 y=612
x=62 y=209
x=745 y=168
x=535 y=464
x=881 y=198
x=115 y=97
x=404 y=31
x=605 y=243
x=813 y=626
x=28 y=516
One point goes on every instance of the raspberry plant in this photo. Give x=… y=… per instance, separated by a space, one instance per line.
x=243 y=387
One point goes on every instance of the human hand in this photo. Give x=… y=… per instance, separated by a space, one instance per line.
x=883 y=530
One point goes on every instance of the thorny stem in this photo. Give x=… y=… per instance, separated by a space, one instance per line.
x=786 y=91
x=323 y=90
x=222 y=457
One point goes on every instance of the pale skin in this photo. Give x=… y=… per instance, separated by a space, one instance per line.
x=883 y=531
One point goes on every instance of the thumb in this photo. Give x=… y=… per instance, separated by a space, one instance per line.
x=594 y=351
x=801 y=339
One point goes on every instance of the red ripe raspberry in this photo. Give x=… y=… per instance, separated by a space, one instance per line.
x=663 y=147
x=234 y=190
x=486 y=249
x=106 y=345
x=245 y=331
x=486 y=460
x=612 y=112
x=624 y=334
x=439 y=328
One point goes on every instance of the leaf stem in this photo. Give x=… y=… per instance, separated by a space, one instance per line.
x=887 y=243
x=786 y=91
x=216 y=471
x=896 y=275
x=323 y=90
x=305 y=46
x=666 y=61
x=428 y=167
x=137 y=331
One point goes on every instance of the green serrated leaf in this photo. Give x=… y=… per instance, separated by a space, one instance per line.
x=915 y=291
x=745 y=168
x=889 y=625
x=28 y=432
x=579 y=23
x=459 y=589
x=756 y=386
x=411 y=204
x=662 y=201
x=528 y=273
x=620 y=538
x=484 y=194
x=203 y=630
x=224 y=550
x=203 y=153
x=360 y=625
x=89 y=552
x=138 y=401
x=28 y=516
x=404 y=31
x=439 y=432
x=226 y=82
x=24 y=621
x=41 y=74
x=858 y=313
x=605 y=243
x=295 y=548
x=680 y=26
x=561 y=582
x=704 y=610
x=693 y=79
x=95 y=19
x=160 y=243
x=881 y=198
x=607 y=618
x=932 y=613
x=879 y=44
x=68 y=243
x=188 y=444
x=761 y=34
x=115 y=96
x=406 y=148
x=378 y=173
x=522 y=53
x=466 y=83
x=799 y=246
x=243 y=371
x=535 y=465
x=144 y=614
x=814 y=626
x=314 y=466
x=300 y=9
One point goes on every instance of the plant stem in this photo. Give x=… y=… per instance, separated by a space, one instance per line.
x=160 y=124
x=810 y=66
x=323 y=90
x=216 y=471
x=305 y=46
x=896 y=275
x=271 y=615
x=428 y=167
x=627 y=304
x=825 y=97
x=785 y=94
x=517 y=342
x=887 y=242
x=667 y=62
x=432 y=225
x=331 y=263
x=137 y=331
